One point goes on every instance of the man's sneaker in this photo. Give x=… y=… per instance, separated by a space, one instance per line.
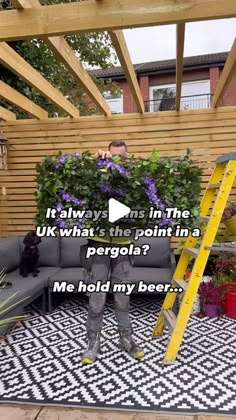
x=128 y=344
x=90 y=354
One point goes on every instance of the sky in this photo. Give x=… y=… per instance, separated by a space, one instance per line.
x=158 y=42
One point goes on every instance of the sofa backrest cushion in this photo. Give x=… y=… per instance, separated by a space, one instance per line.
x=70 y=251
x=9 y=253
x=157 y=256
x=49 y=251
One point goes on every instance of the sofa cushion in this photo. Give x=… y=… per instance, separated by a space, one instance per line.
x=70 y=251
x=49 y=250
x=150 y=275
x=158 y=254
x=29 y=282
x=71 y=275
x=9 y=253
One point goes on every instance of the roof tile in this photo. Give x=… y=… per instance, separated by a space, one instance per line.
x=163 y=65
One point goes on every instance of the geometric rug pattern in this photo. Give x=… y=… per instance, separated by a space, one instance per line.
x=40 y=362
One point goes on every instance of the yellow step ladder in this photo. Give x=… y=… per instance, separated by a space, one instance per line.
x=221 y=180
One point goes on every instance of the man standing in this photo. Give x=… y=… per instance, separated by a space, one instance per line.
x=119 y=268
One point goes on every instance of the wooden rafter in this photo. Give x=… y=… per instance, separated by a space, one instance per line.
x=92 y=15
x=226 y=76
x=118 y=41
x=21 y=4
x=6 y=115
x=14 y=62
x=16 y=98
x=180 y=32
x=66 y=55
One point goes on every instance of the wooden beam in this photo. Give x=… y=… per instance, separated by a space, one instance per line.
x=91 y=15
x=6 y=115
x=14 y=62
x=118 y=41
x=226 y=76
x=66 y=55
x=20 y=4
x=21 y=101
x=180 y=32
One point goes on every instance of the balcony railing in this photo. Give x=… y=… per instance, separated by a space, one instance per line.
x=186 y=102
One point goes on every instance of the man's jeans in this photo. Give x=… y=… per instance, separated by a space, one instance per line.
x=100 y=267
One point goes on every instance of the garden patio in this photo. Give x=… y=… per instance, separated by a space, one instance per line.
x=202 y=383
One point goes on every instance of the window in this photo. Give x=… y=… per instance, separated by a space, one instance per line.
x=115 y=101
x=194 y=95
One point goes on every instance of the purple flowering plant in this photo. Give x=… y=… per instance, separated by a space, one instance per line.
x=84 y=182
x=210 y=293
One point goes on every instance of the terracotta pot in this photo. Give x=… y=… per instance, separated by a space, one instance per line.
x=231 y=225
x=210 y=310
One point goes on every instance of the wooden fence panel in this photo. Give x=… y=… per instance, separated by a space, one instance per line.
x=208 y=133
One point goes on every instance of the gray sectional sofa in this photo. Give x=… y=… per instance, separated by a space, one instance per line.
x=60 y=261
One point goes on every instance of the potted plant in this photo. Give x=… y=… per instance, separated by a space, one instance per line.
x=224 y=268
x=196 y=308
x=225 y=278
x=229 y=218
x=210 y=298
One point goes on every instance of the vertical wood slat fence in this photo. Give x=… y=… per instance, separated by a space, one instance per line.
x=208 y=133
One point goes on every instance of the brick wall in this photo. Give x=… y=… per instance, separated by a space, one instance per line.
x=145 y=82
x=144 y=86
x=229 y=97
x=128 y=101
x=129 y=104
x=214 y=79
x=163 y=79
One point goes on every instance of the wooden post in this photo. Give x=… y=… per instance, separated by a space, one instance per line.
x=3 y=193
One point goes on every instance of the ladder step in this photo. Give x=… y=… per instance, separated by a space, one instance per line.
x=180 y=283
x=192 y=251
x=222 y=248
x=213 y=186
x=170 y=318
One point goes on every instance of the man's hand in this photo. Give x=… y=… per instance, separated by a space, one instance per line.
x=103 y=155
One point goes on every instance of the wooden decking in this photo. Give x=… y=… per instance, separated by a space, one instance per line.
x=32 y=412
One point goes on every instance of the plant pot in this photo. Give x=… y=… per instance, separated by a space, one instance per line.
x=229 y=303
x=210 y=310
x=231 y=225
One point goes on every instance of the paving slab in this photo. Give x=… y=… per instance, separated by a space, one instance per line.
x=18 y=412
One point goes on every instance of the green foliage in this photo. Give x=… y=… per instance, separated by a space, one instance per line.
x=93 y=49
x=5 y=306
x=84 y=182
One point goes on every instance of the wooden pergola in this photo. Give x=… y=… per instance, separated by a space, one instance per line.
x=31 y=20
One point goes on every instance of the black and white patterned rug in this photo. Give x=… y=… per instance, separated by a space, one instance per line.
x=40 y=363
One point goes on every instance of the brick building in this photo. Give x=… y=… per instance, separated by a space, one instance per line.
x=157 y=83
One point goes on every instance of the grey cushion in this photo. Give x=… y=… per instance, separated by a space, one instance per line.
x=151 y=275
x=24 y=289
x=9 y=253
x=71 y=275
x=70 y=251
x=49 y=250
x=30 y=281
x=158 y=254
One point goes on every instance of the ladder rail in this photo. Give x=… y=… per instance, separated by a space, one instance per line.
x=190 y=242
x=225 y=171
